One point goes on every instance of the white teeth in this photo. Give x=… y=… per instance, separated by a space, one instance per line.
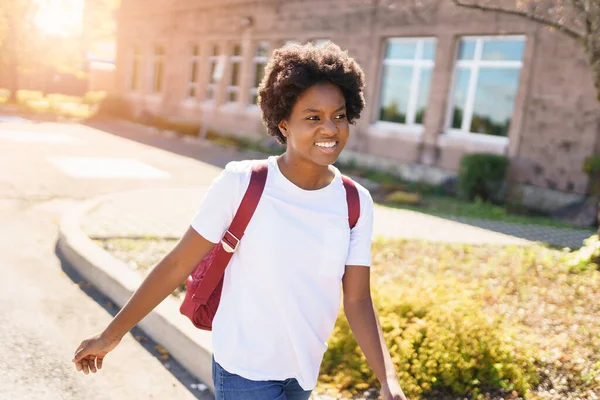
x=326 y=144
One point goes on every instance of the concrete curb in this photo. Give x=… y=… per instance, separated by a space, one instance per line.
x=191 y=347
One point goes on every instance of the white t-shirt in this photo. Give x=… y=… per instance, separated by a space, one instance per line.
x=282 y=288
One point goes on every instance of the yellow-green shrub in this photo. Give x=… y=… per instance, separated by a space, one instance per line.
x=587 y=257
x=94 y=97
x=402 y=197
x=4 y=95
x=439 y=339
x=23 y=96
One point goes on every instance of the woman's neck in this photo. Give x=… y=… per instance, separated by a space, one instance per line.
x=303 y=173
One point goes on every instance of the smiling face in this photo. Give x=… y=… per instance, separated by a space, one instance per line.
x=317 y=128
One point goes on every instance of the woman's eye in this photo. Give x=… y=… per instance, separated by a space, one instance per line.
x=341 y=116
x=313 y=118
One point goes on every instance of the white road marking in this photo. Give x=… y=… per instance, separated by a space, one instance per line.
x=107 y=167
x=35 y=137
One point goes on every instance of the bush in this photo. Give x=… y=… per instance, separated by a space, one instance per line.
x=481 y=175
x=94 y=98
x=115 y=106
x=402 y=197
x=438 y=340
x=591 y=165
x=23 y=96
x=587 y=257
x=4 y=95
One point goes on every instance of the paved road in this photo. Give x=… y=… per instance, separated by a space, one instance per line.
x=45 y=170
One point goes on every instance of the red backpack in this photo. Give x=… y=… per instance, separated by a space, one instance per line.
x=204 y=285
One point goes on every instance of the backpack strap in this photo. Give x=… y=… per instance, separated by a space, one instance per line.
x=353 y=201
x=234 y=234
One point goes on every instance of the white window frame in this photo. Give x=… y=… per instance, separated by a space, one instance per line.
x=255 y=61
x=136 y=60
x=194 y=62
x=213 y=59
x=154 y=59
x=233 y=59
x=476 y=64
x=419 y=64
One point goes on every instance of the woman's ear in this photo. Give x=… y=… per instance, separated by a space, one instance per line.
x=283 y=128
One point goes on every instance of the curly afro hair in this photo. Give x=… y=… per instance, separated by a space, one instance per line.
x=294 y=68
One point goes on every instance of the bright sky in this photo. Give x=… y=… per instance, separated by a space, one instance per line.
x=60 y=17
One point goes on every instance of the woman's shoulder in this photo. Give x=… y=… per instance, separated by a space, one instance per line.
x=241 y=170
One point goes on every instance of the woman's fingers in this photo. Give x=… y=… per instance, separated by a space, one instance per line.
x=99 y=362
x=85 y=366
x=92 y=362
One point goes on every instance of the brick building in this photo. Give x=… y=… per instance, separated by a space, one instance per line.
x=442 y=81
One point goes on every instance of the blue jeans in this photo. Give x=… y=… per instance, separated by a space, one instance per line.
x=230 y=386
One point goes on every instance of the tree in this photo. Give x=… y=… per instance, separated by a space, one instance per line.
x=578 y=19
x=16 y=30
x=26 y=49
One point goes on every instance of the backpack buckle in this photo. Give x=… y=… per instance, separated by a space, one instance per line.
x=229 y=242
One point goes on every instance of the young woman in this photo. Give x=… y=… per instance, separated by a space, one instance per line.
x=281 y=289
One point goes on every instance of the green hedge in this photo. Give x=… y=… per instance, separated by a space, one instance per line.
x=481 y=175
x=591 y=165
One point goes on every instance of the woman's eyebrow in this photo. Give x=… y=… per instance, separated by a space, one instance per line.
x=340 y=108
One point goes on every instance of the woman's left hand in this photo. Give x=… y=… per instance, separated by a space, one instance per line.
x=392 y=391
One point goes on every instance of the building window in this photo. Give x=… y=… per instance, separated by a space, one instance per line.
x=192 y=86
x=234 y=84
x=213 y=62
x=405 y=80
x=158 y=67
x=136 y=60
x=260 y=62
x=486 y=79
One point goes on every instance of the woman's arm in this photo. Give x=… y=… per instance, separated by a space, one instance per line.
x=361 y=315
x=164 y=278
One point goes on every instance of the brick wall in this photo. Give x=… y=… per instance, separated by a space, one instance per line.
x=554 y=124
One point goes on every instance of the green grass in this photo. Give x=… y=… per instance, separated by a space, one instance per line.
x=445 y=206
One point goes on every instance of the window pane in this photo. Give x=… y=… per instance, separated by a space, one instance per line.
x=428 y=50
x=401 y=50
x=259 y=73
x=504 y=49
x=261 y=50
x=237 y=50
x=232 y=96
x=253 y=98
x=195 y=51
x=424 y=86
x=193 y=75
x=215 y=50
x=192 y=91
x=235 y=69
x=494 y=100
x=395 y=92
x=466 y=49
x=459 y=97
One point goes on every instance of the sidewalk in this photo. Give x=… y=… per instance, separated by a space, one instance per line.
x=166 y=213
